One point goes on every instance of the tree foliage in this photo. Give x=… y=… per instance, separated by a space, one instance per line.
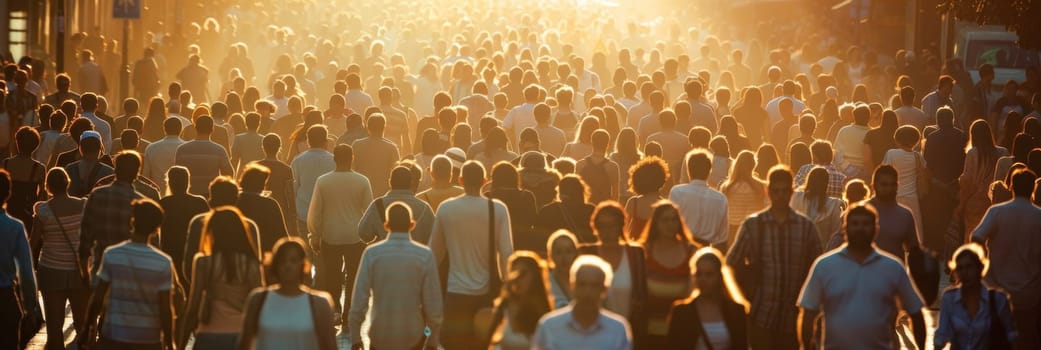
x=1020 y=16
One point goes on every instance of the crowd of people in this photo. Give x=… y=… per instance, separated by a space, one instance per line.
x=507 y=183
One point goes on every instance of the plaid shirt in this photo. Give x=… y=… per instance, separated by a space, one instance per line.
x=106 y=218
x=778 y=257
x=836 y=179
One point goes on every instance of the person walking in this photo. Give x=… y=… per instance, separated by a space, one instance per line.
x=585 y=324
x=771 y=257
x=475 y=251
x=399 y=315
x=858 y=289
x=337 y=205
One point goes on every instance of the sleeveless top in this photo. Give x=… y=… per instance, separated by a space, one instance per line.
x=716 y=333
x=665 y=285
x=286 y=323
x=57 y=252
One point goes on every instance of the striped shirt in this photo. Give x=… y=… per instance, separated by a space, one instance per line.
x=57 y=252
x=782 y=255
x=136 y=271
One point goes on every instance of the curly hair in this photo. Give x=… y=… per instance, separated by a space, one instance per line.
x=648 y=175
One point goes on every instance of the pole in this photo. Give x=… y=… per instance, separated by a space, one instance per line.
x=59 y=50
x=124 y=68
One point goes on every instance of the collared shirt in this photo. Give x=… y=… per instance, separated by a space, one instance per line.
x=1011 y=232
x=704 y=210
x=102 y=127
x=307 y=167
x=398 y=314
x=15 y=259
x=159 y=157
x=461 y=235
x=371 y=226
x=836 y=179
x=106 y=217
x=558 y=330
x=784 y=254
x=944 y=153
x=337 y=205
x=971 y=332
x=859 y=299
x=136 y=272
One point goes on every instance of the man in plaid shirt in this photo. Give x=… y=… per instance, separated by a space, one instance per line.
x=771 y=257
x=106 y=215
x=822 y=156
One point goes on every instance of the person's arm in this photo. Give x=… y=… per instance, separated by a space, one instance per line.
x=986 y=227
x=191 y=311
x=24 y=259
x=314 y=218
x=437 y=241
x=360 y=300
x=225 y=166
x=251 y=318
x=325 y=329
x=369 y=225
x=94 y=308
x=723 y=226
x=807 y=321
x=945 y=326
x=166 y=317
x=36 y=237
x=503 y=230
x=433 y=307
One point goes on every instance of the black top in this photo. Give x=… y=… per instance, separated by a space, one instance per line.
x=268 y=216
x=178 y=210
x=521 y=206
x=686 y=330
x=880 y=141
x=573 y=217
x=945 y=154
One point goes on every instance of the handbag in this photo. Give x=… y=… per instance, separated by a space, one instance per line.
x=998 y=336
x=923 y=178
x=32 y=319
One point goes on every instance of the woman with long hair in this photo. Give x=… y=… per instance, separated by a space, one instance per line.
x=975 y=180
x=27 y=176
x=969 y=307
x=523 y=301
x=646 y=180
x=765 y=158
x=829 y=115
x=627 y=295
x=669 y=246
x=1022 y=144
x=799 y=155
x=562 y=250
x=753 y=117
x=582 y=146
x=298 y=139
x=571 y=211
x=626 y=154
x=55 y=236
x=813 y=202
x=745 y=192
x=728 y=128
x=153 y=130
x=287 y=314
x=224 y=272
x=721 y=158
x=880 y=140
x=715 y=316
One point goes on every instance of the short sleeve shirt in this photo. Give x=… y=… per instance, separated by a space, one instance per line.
x=859 y=299
x=136 y=271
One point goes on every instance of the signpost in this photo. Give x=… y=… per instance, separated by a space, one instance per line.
x=126 y=10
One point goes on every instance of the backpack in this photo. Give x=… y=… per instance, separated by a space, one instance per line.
x=595 y=176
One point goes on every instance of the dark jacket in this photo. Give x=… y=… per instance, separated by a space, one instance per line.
x=266 y=212
x=686 y=330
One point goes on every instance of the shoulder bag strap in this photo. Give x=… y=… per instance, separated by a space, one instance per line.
x=494 y=279
x=84 y=276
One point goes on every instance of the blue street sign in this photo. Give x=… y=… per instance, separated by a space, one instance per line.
x=126 y=9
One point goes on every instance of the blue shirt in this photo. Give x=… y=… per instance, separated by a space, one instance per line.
x=964 y=331
x=102 y=128
x=558 y=330
x=14 y=257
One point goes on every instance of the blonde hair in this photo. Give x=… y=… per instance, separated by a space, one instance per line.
x=730 y=286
